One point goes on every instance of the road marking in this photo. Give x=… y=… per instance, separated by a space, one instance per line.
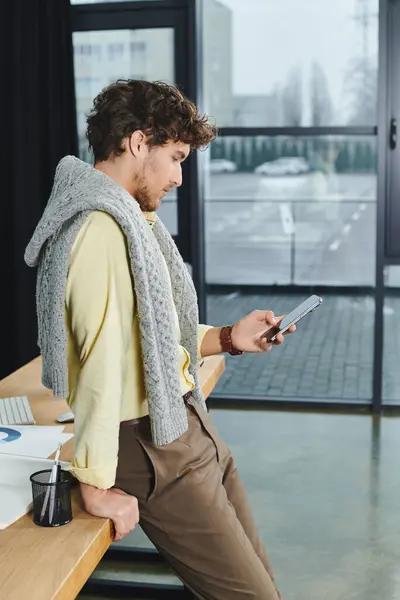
x=263 y=239
x=335 y=245
x=256 y=239
x=232 y=296
x=287 y=219
x=346 y=229
x=356 y=216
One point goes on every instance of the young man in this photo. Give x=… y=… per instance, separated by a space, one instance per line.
x=119 y=337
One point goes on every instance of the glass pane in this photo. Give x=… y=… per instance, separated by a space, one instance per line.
x=290 y=63
x=101 y=57
x=330 y=357
x=291 y=211
x=391 y=340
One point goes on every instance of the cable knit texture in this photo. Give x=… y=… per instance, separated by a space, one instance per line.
x=79 y=189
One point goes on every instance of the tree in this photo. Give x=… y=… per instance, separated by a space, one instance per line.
x=307 y=149
x=361 y=86
x=321 y=103
x=238 y=154
x=257 y=151
x=231 y=150
x=370 y=159
x=216 y=149
x=271 y=150
x=293 y=149
x=285 y=149
x=254 y=153
x=245 y=154
x=343 y=159
x=292 y=99
x=358 y=157
x=267 y=151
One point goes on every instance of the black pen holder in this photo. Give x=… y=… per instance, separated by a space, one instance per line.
x=51 y=501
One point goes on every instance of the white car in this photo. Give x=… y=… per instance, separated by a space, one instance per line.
x=221 y=165
x=291 y=165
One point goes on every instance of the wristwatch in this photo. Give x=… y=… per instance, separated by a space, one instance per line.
x=225 y=338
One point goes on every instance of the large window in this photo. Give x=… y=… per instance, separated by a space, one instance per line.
x=330 y=358
x=102 y=57
x=291 y=187
x=294 y=185
x=291 y=210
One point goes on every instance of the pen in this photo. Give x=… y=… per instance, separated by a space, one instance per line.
x=51 y=489
x=55 y=473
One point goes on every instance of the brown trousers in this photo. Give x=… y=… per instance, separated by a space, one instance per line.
x=194 y=509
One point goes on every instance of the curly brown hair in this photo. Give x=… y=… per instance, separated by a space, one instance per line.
x=158 y=109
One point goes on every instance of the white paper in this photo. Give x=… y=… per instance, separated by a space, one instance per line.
x=31 y=440
x=15 y=485
x=64 y=437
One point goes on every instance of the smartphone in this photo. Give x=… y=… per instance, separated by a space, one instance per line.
x=293 y=317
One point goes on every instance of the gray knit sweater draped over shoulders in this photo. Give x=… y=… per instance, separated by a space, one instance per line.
x=79 y=189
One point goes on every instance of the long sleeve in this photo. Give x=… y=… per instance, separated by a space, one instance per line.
x=201 y=332
x=100 y=305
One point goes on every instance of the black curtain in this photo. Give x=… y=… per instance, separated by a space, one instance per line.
x=39 y=128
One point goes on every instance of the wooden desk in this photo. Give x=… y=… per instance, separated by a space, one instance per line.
x=39 y=563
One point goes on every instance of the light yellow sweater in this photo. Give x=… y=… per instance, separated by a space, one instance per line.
x=104 y=358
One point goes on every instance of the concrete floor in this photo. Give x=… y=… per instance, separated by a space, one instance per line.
x=325 y=492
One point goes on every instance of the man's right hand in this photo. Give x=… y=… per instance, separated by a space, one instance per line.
x=113 y=504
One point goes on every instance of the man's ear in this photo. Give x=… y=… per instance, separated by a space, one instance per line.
x=136 y=143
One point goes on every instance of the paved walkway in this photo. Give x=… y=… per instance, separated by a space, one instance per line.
x=329 y=357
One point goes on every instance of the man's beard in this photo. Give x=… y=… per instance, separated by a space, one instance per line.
x=143 y=197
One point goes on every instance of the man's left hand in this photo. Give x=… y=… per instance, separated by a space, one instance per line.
x=248 y=335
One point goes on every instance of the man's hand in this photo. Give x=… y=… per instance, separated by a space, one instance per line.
x=248 y=333
x=113 y=504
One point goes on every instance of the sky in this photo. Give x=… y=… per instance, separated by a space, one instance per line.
x=286 y=34
x=273 y=37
